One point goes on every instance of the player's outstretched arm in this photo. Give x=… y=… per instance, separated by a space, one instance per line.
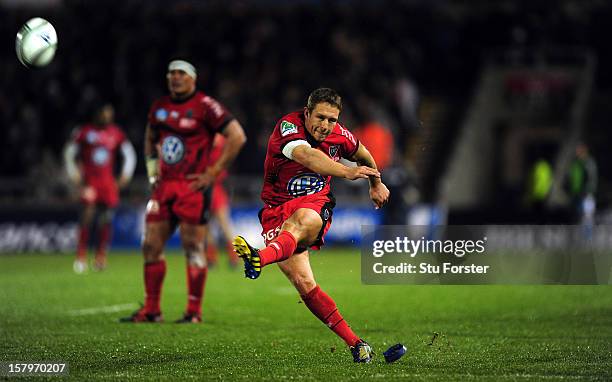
x=235 y=139
x=322 y=164
x=379 y=193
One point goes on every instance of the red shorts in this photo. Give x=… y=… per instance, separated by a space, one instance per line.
x=173 y=200
x=220 y=199
x=272 y=218
x=101 y=192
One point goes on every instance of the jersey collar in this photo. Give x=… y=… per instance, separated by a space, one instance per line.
x=183 y=100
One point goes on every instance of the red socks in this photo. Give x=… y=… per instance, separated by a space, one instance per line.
x=154 y=274
x=82 y=244
x=279 y=249
x=322 y=306
x=196 y=279
x=103 y=240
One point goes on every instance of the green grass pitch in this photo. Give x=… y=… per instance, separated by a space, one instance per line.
x=259 y=330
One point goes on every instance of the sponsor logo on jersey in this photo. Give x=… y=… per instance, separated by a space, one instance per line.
x=91 y=137
x=161 y=114
x=287 y=128
x=187 y=123
x=174 y=114
x=189 y=113
x=305 y=184
x=333 y=151
x=348 y=135
x=173 y=149
x=214 y=106
x=100 y=156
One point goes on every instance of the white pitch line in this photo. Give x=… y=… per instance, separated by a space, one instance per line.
x=103 y=309
x=464 y=377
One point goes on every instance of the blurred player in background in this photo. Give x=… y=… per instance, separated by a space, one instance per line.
x=220 y=209
x=302 y=156
x=178 y=142
x=581 y=186
x=89 y=159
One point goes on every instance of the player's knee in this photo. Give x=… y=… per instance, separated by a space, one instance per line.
x=152 y=250
x=196 y=258
x=193 y=246
x=106 y=216
x=194 y=252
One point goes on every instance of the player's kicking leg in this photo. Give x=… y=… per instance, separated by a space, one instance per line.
x=299 y=272
x=303 y=227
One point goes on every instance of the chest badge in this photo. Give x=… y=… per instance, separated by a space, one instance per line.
x=161 y=114
x=333 y=151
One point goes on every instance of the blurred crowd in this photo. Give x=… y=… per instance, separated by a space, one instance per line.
x=261 y=59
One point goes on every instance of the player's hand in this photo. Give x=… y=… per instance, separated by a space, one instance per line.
x=153 y=182
x=379 y=193
x=361 y=172
x=88 y=194
x=203 y=180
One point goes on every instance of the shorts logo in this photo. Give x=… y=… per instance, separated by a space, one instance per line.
x=287 y=128
x=271 y=234
x=326 y=214
x=161 y=114
x=100 y=156
x=305 y=184
x=173 y=150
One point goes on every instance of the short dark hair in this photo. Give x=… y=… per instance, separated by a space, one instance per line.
x=324 y=95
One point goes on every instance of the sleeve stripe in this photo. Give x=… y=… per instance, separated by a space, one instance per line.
x=355 y=150
x=290 y=146
x=225 y=122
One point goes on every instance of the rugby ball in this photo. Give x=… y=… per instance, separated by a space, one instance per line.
x=36 y=43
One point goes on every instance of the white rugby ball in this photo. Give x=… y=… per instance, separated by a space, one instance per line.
x=36 y=43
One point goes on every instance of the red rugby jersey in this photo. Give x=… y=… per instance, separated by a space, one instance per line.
x=98 y=147
x=285 y=179
x=186 y=131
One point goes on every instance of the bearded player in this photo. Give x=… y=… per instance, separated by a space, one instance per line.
x=302 y=156
x=89 y=158
x=178 y=142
